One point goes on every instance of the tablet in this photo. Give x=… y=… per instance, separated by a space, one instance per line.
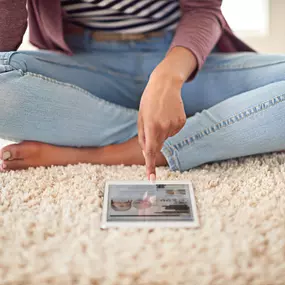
x=143 y=204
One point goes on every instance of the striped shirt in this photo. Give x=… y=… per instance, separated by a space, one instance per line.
x=124 y=16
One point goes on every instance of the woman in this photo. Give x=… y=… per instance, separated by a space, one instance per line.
x=118 y=78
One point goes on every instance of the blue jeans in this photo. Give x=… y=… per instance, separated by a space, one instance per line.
x=235 y=106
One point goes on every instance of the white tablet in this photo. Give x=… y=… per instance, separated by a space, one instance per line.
x=144 y=204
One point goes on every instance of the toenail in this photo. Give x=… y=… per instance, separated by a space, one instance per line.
x=4 y=166
x=6 y=155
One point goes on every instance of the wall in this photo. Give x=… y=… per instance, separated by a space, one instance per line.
x=274 y=42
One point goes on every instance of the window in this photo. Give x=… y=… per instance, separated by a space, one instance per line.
x=247 y=17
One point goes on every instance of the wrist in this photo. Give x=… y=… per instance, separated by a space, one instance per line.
x=179 y=64
x=167 y=76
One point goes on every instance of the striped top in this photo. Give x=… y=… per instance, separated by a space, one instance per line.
x=124 y=16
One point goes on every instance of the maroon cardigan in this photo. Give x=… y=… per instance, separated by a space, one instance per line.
x=201 y=27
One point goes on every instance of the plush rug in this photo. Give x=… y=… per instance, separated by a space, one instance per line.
x=49 y=228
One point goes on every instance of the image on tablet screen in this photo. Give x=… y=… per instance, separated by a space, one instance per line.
x=142 y=203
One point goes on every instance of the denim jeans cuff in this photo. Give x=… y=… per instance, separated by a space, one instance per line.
x=171 y=155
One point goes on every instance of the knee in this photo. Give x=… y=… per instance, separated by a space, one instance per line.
x=12 y=60
x=12 y=68
x=10 y=83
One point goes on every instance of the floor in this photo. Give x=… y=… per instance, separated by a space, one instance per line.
x=3 y=143
x=49 y=228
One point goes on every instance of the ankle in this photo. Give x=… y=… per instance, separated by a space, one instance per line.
x=161 y=160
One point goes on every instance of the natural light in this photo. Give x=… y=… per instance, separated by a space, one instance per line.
x=247 y=17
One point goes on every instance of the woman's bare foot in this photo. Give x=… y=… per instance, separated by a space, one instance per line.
x=32 y=154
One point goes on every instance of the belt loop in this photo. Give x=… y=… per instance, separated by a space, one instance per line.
x=87 y=35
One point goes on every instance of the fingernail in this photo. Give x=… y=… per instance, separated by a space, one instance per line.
x=152 y=178
x=145 y=196
x=143 y=154
x=6 y=155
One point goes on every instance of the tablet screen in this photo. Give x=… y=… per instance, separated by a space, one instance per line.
x=141 y=203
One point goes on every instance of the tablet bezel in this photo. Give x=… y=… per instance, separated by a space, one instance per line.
x=150 y=224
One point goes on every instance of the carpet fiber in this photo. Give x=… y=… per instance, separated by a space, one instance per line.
x=49 y=228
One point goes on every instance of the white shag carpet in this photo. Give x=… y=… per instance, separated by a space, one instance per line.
x=49 y=228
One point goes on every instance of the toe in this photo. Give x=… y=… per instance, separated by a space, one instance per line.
x=14 y=165
x=1 y=168
x=11 y=152
x=17 y=151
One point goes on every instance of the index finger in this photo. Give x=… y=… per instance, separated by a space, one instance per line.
x=141 y=135
x=152 y=143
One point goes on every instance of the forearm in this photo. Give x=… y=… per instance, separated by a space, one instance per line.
x=13 y=23
x=199 y=29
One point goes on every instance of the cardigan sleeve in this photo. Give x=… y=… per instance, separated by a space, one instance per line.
x=13 y=23
x=199 y=29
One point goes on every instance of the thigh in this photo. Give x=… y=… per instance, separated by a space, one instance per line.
x=226 y=75
x=83 y=70
x=48 y=109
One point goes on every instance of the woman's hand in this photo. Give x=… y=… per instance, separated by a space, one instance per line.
x=161 y=113
x=161 y=116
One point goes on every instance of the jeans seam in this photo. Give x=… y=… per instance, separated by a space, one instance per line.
x=227 y=67
x=171 y=151
x=94 y=97
x=91 y=68
x=230 y=121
